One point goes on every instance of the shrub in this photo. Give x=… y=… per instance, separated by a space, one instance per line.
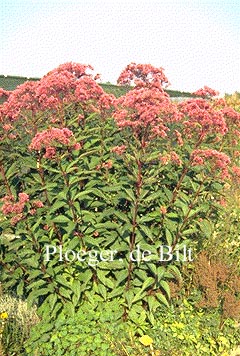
x=108 y=178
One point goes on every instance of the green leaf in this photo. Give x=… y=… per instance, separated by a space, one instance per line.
x=61 y=280
x=61 y=219
x=85 y=276
x=20 y=288
x=116 y=292
x=122 y=216
x=103 y=291
x=147 y=283
x=153 y=196
x=69 y=309
x=141 y=274
x=57 y=205
x=169 y=237
x=66 y=293
x=35 y=294
x=106 y=281
x=165 y=287
x=36 y=284
x=147 y=232
x=83 y=194
x=162 y=299
x=174 y=271
x=139 y=296
x=111 y=265
x=130 y=194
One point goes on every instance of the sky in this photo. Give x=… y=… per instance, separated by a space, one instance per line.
x=196 y=42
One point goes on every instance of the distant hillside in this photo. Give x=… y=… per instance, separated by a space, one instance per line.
x=10 y=82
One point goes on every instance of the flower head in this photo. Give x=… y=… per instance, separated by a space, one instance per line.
x=4 y=315
x=146 y=340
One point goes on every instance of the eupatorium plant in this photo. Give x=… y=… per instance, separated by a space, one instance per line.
x=87 y=172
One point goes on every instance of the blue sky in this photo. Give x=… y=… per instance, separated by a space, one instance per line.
x=197 y=42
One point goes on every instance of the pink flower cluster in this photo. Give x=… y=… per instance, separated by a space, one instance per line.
x=54 y=89
x=7 y=127
x=231 y=115
x=219 y=160
x=171 y=157
x=206 y=92
x=106 y=165
x=48 y=139
x=201 y=117
x=10 y=206
x=4 y=93
x=88 y=91
x=236 y=173
x=22 y=98
x=59 y=86
x=143 y=75
x=16 y=208
x=77 y=69
x=119 y=150
x=67 y=84
x=146 y=108
x=179 y=137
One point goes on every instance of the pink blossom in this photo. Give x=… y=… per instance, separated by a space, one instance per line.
x=143 y=75
x=218 y=160
x=202 y=117
x=106 y=165
x=15 y=219
x=236 y=171
x=97 y=76
x=91 y=95
x=119 y=149
x=38 y=204
x=175 y=158
x=206 y=92
x=77 y=69
x=197 y=161
x=231 y=115
x=4 y=93
x=50 y=152
x=77 y=146
x=7 y=207
x=143 y=108
x=179 y=137
x=80 y=117
x=11 y=207
x=22 y=98
x=23 y=197
x=7 y=127
x=164 y=159
x=163 y=210
x=223 y=202
x=32 y=211
x=48 y=139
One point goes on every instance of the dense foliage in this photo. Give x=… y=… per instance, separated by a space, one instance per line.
x=105 y=197
x=100 y=332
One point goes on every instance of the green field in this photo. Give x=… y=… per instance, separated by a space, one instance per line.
x=11 y=82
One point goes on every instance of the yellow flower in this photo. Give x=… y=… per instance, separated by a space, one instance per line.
x=146 y=340
x=4 y=315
